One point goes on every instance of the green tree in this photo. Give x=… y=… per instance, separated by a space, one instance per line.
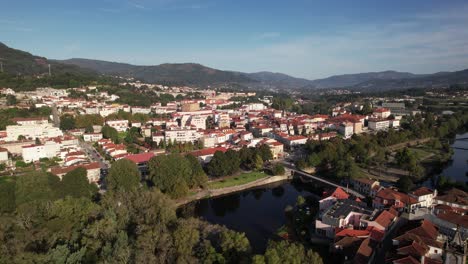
x=235 y=246
x=278 y=169
x=123 y=175
x=286 y=252
x=258 y=162
x=198 y=176
x=265 y=152
x=11 y=100
x=75 y=184
x=170 y=174
x=219 y=165
x=7 y=194
x=405 y=184
x=67 y=122
x=36 y=186
x=110 y=133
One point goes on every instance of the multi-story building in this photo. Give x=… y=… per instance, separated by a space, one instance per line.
x=32 y=153
x=182 y=135
x=93 y=171
x=119 y=125
x=378 y=124
x=3 y=155
x=92 y=137
x=364 y=186
x=346 y=129
x=32 y=131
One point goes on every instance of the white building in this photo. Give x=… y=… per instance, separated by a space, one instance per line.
x=92 y=137
x=425 y=196
x=119 y=125
x=3 y=155
x=379 y=124
x=182 y=135
x=32 y=131
x=346 y=129
x=35 y=152
x=141 y=110
x=198 y=121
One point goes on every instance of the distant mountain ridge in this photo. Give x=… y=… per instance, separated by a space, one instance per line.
x=184 y=73
x=347 y=80
x=18 y=62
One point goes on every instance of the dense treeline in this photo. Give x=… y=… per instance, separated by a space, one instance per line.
x=231 y=161
x=45 y=220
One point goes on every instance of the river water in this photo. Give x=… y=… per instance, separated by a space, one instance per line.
x=257 y=212
x=458 y=167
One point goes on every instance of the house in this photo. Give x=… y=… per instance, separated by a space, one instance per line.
x=364 y=186
x=343 y=214
x=381 y=113
x=92 y=137
x=277 y=149
x=205 y=155
x=377 y=124
x=119 y=125
x=388 y=197
x=425 y=196
x=418 y=242
x=93 y=171
x=455 y=198
x=346 y=129
x=141 y=160
x=329 y=198
x=32 y=153
x=158 y=137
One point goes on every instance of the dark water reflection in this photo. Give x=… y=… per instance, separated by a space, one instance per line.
x=257 y=212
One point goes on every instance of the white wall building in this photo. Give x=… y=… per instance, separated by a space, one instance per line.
x=35 y=152
x=92 y=137
x=346 y=129
x=119 y=125
x=182 y=135
x=32 y=131
x=379 y=124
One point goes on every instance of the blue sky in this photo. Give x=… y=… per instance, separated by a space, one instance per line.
x=309 y=38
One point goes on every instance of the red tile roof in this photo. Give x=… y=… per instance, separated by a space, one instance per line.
x=352 y=233
x=141 y=157
x=385 y=219
x=406 y=260
x=421 y=191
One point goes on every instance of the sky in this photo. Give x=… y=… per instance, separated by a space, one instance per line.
x=305 y=38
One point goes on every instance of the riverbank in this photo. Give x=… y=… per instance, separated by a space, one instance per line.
x=209 y=193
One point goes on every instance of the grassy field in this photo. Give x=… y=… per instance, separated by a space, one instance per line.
x=237 y=180
x=422 y=154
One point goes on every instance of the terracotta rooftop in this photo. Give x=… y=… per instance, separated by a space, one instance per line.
x=140 y=157
x=461 y=220
x=406 y=260
x=421 y=191
x=63 y=170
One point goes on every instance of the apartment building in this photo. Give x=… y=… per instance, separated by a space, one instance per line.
x=119 y=125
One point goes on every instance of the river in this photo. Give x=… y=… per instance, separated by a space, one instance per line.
x=457 y=168
x=257 y=212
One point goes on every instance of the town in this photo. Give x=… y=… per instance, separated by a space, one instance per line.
x=370 y=209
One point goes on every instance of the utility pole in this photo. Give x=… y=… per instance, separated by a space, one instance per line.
x=49 y=71
x=1 y=65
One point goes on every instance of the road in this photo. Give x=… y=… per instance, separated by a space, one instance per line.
x=55 y=116
x=93 y=154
